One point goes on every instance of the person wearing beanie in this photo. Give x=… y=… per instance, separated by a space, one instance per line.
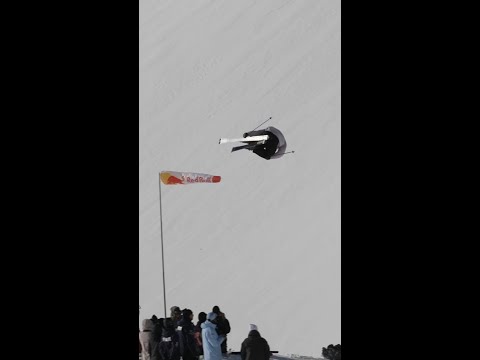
x=223 y=326
x=211 y=340
x=186 y=337
x=175 y=314
x=254 y=347
x=202 y=317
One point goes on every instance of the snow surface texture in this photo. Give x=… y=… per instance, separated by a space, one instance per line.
x=264 y=243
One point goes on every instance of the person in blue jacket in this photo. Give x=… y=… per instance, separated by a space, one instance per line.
x=210 y=339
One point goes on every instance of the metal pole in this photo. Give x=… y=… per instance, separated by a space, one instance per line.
x=161 y=236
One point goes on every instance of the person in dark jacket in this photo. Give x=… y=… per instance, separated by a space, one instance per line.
x=157 y=328
x=169 y=347
x=156 y=338
x=202 y=317
x=223 y=326
x=255 y=347
x=185 y=331
x=273 y=148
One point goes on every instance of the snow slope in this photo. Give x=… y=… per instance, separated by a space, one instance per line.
x=264 y=244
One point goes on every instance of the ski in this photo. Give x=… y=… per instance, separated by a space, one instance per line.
x=246 y=139
x=248 y=147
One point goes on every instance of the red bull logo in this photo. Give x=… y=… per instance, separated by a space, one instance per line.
x=178 y=178
x=169 y=179
x=172 y=180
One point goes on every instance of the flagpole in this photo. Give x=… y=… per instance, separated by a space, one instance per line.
x=161 y=237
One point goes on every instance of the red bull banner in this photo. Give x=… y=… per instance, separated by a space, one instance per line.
x=184 y=178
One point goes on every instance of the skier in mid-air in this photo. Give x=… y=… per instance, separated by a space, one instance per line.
x=268 y=143
x=273 y=148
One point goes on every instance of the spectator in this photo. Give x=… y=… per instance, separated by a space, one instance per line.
x=202 y=317
x=145 y=338
x=211 y=340
x=186 y=337
x=169 y=347
x=223 y=326
x=332 y=352
x=254 y=347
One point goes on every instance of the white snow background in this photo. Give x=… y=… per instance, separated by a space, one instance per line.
x=264 y=243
